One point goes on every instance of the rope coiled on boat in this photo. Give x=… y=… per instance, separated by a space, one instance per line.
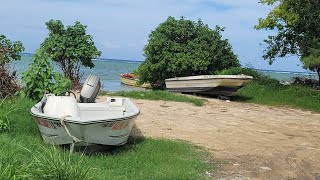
x=74 y=139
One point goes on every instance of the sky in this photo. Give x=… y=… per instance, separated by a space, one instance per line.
x=120 y=28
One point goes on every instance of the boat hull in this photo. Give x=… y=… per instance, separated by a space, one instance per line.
x=132 y=81
x=223 y=91
x=61 y=120
x=208 y=84
x=105 y=133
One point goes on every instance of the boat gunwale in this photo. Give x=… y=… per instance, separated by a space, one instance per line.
x=210 y=77
x=35 y=113
x=122 y=76
x=67 y=120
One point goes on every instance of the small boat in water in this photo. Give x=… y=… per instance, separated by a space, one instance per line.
x=62 y=120
x=224 y=85
x=131 y=80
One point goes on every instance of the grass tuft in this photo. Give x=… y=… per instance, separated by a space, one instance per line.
x=276 y=94
x=53 y=163
x=23 y=155
x=160 y=95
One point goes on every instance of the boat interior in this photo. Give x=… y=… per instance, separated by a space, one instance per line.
x=67 y=106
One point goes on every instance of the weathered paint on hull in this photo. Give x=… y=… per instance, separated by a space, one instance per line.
x=105 y=133
x=226 y=85
x=224 y=91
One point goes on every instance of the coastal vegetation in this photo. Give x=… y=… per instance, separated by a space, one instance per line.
x=9 y=51
x=160 y=95
x=70 y=47
x=268 y=91
x=297 y=25
x=175 y=48
x=23 y=155
x=182 y=47
x=40 y=77
x=275 y=94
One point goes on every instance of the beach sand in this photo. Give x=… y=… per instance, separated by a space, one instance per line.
x=251 y=141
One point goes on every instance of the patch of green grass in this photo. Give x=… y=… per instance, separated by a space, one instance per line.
x=276 y=94
x=160 y=95
x=23 y=155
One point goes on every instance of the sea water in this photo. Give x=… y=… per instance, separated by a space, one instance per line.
x=109 y=71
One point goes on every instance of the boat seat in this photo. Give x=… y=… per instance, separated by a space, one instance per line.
x=59 y=106
x=100 y=107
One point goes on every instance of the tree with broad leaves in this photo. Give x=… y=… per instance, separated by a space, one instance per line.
x=298 y=31
x=183 y=47
x=70 y=47
x=9 y=51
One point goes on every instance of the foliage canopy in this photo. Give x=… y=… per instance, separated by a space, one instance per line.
x=298 y=31
x=70 y=47
x=183 y=48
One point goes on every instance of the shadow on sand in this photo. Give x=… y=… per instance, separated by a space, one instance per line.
x=232 y=98
x=241 y=98
x=135 y=138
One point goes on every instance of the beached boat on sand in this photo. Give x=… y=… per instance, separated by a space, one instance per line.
x=61 y=120
x=107 y=123
x=224 y=85
x=131 y=80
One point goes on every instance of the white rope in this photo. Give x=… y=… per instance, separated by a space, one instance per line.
x=74 y=139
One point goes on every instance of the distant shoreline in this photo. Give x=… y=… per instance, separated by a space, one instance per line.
x=101 y=58
x=138 y=61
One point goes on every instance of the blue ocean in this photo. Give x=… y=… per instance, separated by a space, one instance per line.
x=109 y=70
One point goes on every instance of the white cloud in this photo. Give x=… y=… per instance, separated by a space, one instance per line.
x=112 y=45
x=132 y=45
x=124 y=25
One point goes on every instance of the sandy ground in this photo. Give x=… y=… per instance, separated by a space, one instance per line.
x=252 y=141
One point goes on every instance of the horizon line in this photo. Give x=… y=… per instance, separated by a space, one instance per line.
x=102 y=58
x=131 y=60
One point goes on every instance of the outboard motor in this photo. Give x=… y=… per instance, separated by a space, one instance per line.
x=90 y=89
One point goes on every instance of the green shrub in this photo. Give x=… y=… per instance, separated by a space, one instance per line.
x=70 y=47
x=9 y=51
x=40 y=77
x=183 y=48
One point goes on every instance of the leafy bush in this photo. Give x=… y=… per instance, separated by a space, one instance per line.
x=70 y=47
x=40 y=77
x=302 y=81
x=184 y=48
x=8 y=82
x=9 y=51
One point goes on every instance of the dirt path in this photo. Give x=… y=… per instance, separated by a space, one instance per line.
x=255 y=141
